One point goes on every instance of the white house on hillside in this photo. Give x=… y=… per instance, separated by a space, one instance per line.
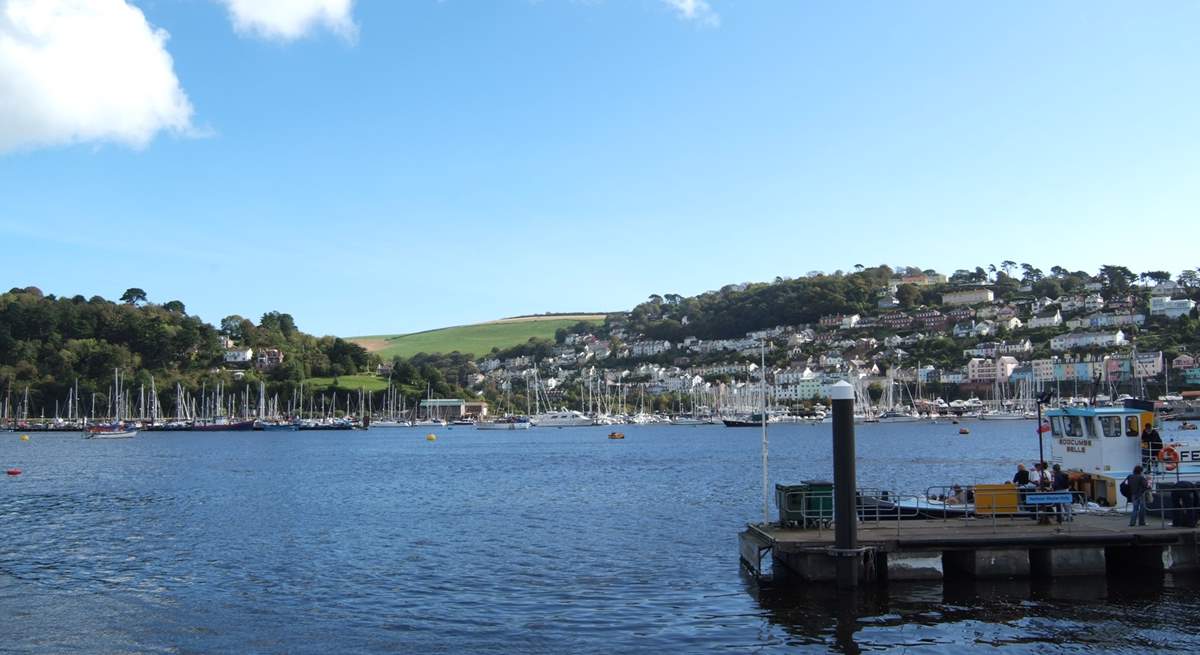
x=1053 y=320
x=1087 y=340
x=1162 y=306
x=239 y=355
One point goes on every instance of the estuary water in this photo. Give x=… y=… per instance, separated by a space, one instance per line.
x=546 y=541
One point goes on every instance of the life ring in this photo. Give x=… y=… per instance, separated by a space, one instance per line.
x=1169 y=457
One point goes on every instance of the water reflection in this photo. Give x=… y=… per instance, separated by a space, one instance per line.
x=1127 y=614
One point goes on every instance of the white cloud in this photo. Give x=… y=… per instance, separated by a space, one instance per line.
x=697 y=10
x=291 y=19
x=84 y=70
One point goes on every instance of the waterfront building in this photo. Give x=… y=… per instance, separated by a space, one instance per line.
x=798 y=384
x=987 y=370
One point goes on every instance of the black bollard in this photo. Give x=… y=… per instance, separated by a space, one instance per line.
x=845 y=515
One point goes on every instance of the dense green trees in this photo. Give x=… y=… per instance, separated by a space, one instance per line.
x=48 y=343
x=736 y=309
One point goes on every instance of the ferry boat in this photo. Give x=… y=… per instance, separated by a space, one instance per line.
x=1099 y=446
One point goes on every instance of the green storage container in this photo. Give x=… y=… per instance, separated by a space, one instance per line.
x=818 y=502
x=790 y=499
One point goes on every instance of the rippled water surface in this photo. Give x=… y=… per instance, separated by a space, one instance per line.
x=546 y=541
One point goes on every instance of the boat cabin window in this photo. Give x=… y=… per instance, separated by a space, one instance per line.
x=1111 y=425
x=1074 y=426
x=1056 y=426
x=1132 y=429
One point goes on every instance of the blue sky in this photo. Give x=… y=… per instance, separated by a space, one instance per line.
x=397 y=166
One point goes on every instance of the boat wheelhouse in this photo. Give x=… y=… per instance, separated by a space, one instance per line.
x=1101 y=445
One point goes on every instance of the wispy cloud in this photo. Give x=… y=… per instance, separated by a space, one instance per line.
x=695 y=10
x=287 y=20
x=83 y=71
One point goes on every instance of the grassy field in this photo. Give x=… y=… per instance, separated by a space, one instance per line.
x=366 y=381
x=476 y=339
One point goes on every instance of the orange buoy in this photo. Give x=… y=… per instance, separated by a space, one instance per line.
x=13 y=471
x=1169 y=457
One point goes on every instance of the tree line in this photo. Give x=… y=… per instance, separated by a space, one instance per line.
x=51 y=344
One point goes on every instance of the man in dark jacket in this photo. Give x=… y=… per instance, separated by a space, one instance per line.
x=1138 y=486
x=1151 y=442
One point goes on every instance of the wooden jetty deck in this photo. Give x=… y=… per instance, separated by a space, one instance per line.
x=1091 y=544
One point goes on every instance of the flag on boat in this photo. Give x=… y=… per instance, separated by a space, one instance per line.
x=1044 y=427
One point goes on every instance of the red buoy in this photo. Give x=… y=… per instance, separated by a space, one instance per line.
x=13 y=471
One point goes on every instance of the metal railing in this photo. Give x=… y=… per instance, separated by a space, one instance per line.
x=1170 y=507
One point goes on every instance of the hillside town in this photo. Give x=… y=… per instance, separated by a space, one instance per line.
x=973 y=342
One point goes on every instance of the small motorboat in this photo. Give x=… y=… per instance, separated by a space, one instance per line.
x=1187 y=426
x=616 y=435
x=964 y=431
x=110 y=434
x=118 y=430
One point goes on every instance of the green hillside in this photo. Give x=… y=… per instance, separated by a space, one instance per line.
x=476 y=339
x=365 y=381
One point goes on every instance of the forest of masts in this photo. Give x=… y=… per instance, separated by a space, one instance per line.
x=145 y=403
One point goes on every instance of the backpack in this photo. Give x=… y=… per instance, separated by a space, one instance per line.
x=1124 y=488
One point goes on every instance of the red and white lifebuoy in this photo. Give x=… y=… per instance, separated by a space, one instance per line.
x=1169 y=457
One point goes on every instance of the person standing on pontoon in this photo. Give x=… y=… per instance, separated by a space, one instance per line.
x=1139 y=487
x=1061 y=482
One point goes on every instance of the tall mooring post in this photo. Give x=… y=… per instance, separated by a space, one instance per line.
x=845 y=486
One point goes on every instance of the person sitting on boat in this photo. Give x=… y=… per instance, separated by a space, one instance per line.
x=957 y=496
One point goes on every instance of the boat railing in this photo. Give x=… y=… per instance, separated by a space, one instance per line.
x=1174 y=504
x=878 y=505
